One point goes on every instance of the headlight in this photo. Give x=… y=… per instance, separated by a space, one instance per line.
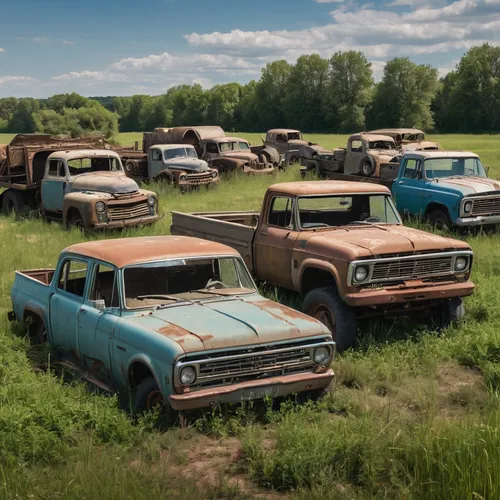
x=187 y=375
x=461 y=263
x=100 y=206
x=360 y=273
x=321 y=355
x=468 y=207
x=151 y=200
x=182 y=177
x=214 y=174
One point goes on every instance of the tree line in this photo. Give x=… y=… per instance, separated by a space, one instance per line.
x=315 y=95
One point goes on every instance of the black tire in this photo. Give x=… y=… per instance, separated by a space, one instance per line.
x=326 y=305
x=12 y=201
x=148 y=396
x=366 y=167
x=450 y=312
x=130 y=167
x=165 y=179
x=37 y=333
x=440 y=219
x=75 y=220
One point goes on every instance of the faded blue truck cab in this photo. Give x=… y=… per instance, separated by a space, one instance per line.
x=176 y=320
x=449 y=188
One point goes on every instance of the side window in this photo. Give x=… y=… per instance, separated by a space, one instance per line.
x=156 y=154
x=411 y=169
x=56 y=168
x=73 y=277
x=280 y=214
x=104 y=285
x=356 y=146
x=212 y=147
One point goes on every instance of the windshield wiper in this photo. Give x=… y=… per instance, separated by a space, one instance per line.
x=168 y=297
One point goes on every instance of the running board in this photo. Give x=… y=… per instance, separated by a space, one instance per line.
x=84 y=374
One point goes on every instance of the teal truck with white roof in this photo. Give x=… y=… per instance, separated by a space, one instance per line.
x=171 y=320
x=448 y=188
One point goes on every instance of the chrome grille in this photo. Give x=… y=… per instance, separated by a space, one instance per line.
x=412 y=269
x=203 y=178
x=129 y=211
x=486 y=206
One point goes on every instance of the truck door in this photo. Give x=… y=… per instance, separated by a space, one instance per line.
x=97 y=319
x=353 y=156
x=155 y=162
x=65 y=304
x=408 y=189
x=275 y=241
x=54 y=187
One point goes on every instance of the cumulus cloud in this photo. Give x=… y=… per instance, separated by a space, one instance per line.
x=90 y=76
x=68 y=42
x=1 y=50
x=17 y=80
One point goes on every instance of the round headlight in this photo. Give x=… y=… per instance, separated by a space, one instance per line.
x=151 y=200
x=460 y=263
x=468 y=207
x=361 y=273
x=182 y=177
x=321 y=355
x=100 y=206
x=214 y=173
x=187 y=375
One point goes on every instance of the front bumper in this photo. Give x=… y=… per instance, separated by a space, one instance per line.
x=253 y=389
x=116 y=224
x=416 y=291
x=268 y=169
x=190 y=186
x=480 y=220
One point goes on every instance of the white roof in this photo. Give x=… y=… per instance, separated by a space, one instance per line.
x=72 y=154
x=442 y=154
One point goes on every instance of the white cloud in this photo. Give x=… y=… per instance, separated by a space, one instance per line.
x=40 y=39
x=17 y=80
x=329 y=1
x=90 y=76
x=1 y=50
x=68 y=42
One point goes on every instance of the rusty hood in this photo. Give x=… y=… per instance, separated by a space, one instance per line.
x=104 y=182
x=355 y=242
x=241 y=155
x=467 y=185
x=220 y=323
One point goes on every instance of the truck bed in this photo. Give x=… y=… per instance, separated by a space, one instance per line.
x=235 y=229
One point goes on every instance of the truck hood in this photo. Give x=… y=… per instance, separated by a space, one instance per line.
x=241 y=155
x=467 y=185
x=359 y=242
x=231 y=322
x=188 y=164
x=386 y=155
x=105 y=182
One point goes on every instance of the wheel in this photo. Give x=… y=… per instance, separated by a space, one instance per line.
x=451 y=311
x=440 y=219
x=148 y=396
x=75 y=220
x=165 y=179
x=12 y=202
x=37 y=333
x=130 y=166
x=367 y=168
x=325 y=305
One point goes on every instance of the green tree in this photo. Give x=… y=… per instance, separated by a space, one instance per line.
x=21 y=120
x=223 y=100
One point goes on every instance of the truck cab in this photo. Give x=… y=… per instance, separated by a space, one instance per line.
x=449 y=188
x=89 y=189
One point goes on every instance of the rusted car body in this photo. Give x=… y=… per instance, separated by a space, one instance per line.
x=343 y=247
x=368 y=155
x=80 y=186
x=173 y=320
x=409 y=139
x=226 y=154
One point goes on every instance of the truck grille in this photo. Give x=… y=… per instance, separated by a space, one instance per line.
x=486 y=206
x=412 y=268
x=129 y=211
x=195 y=179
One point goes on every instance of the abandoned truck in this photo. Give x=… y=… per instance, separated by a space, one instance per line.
x=343 y=247
x=175 y=321
x=448 y=188
x=176 y=164
x=226 y=154
x=85 y=188
x=408 y=139
x=368 y=155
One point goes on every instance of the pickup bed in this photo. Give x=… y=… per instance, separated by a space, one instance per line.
x=342 y=246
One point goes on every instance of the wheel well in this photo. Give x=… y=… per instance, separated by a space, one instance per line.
x=137 y=373
x=315 y=278
x=435 y=206
x=32 y=320
x=71 y=211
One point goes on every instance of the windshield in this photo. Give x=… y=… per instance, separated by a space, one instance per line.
x=234 y=146
x=334 y=211
x=381 y=145
x=95 y=164
x=179 y=152
x=171 y=281
x=436 y=168
x=413 y=137
x=294 y=136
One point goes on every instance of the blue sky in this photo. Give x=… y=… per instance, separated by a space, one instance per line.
x=112 y=47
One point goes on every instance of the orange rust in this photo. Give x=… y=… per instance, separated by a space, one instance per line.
x=286 y=312
x=326 y=187
x=205 y=338
x=173 y=331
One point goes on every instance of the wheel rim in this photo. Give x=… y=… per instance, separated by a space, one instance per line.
x=325 y=316
x=154 y=398
x=366 y=168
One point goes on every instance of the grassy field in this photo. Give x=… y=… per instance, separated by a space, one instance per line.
x=414 y=413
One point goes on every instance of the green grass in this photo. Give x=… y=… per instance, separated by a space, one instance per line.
x=414 y=413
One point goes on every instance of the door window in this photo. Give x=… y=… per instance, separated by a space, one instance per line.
x=280 y=214
x=212 y=147
x=104 y=285
x=73 y=276
x=56 y=168
x=411 y=169
x=356 y=146
x=156 y=155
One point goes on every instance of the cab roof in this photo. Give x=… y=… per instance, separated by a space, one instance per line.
x=228 y=139
x=312 y=188
x=164 y=147
x=441 y=154
x=122 y=252
x=282 y=131
x=73 y=154
x=396 y=131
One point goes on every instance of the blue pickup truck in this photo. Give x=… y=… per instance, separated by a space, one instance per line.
x=449 y=188
x=172 y=320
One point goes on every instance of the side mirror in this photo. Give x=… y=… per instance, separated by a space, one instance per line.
x=487 y=170
x=97 y=304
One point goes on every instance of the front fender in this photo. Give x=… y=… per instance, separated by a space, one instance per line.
x=317 y=264
x=81 y=202
x=155 y=371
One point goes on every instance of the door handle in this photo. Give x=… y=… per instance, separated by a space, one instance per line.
x=401 y=182
x=83 y=311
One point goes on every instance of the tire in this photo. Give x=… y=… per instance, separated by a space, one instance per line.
x=325 y=305
x=12 y=201
x=165 y=178
x=440 y=219
x=148 y=396
x=37 y=333
x=130 y=167
x=76 y=221
x=450 y=312
x=367 y=167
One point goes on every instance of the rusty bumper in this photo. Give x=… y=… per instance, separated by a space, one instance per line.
x=405 y=294
x=250 y=390
x=259 y=171
x=191 y=186
x=117 y=224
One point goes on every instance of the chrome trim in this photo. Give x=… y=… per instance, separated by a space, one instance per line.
x=474 y=199
x=200 y=378
x=478 y=220
x=371 y=262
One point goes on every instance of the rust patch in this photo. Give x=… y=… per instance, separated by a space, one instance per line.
x=173 y=331
x=281 y=311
